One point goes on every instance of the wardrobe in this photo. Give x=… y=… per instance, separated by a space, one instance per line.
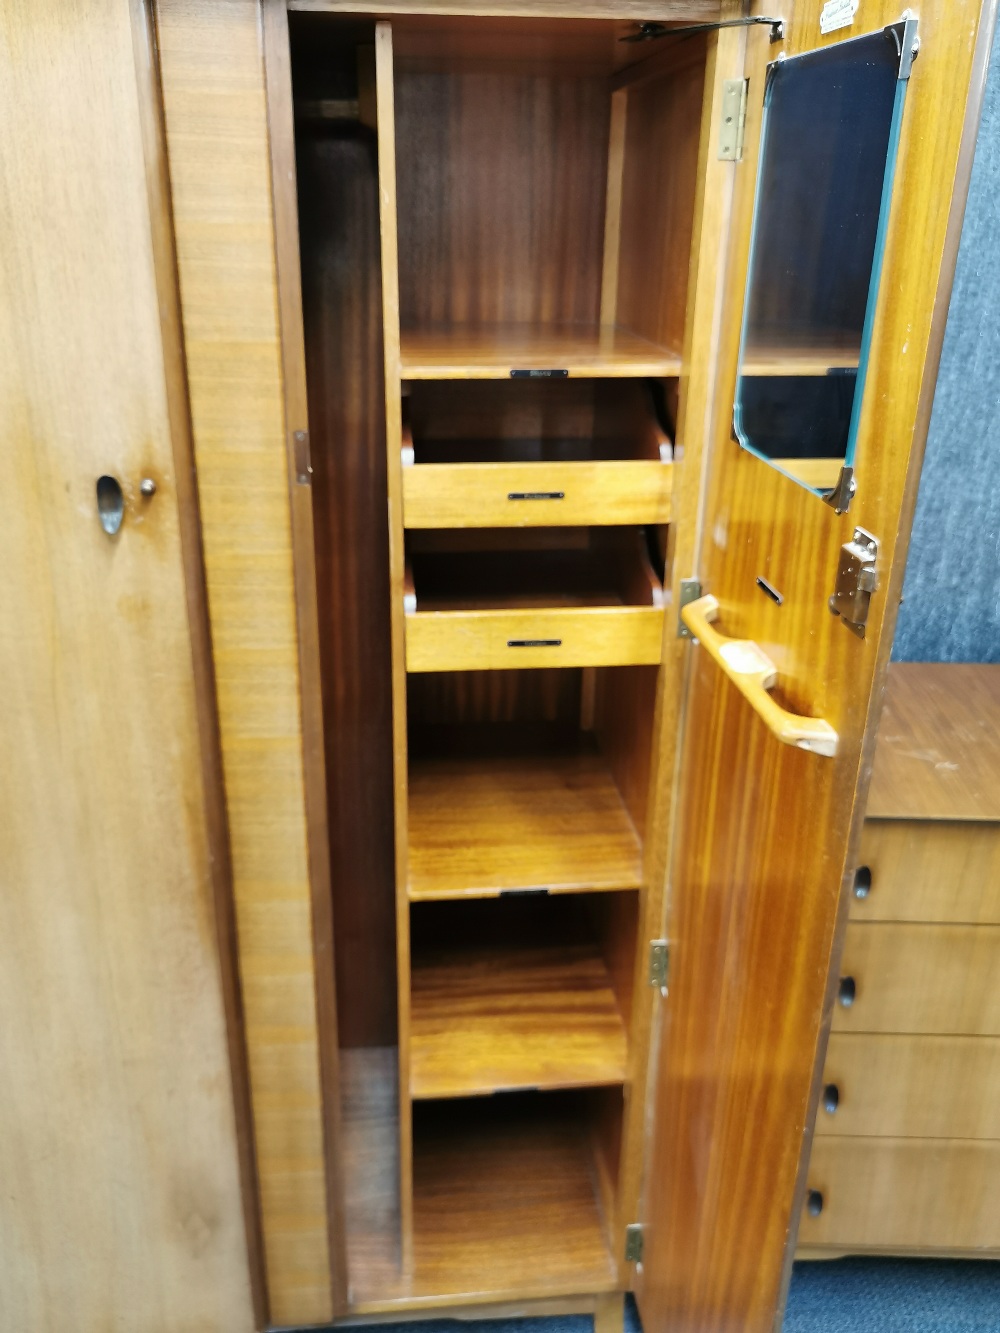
x=436 y=772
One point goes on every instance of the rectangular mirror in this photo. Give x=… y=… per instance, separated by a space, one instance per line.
x=829 y=140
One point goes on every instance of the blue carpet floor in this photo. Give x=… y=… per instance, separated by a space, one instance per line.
x=839 y=1296
x=894 y=1296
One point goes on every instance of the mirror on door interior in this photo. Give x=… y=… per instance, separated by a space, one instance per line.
x=829 y=139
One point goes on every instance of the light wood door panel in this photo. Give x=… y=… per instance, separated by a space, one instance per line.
x=121 y=1205
x=921 y=978
x=765 y=834
x=905 y=1194
x=925 y=871
x=912 y=1086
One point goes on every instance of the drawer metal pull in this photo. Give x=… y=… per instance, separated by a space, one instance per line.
x=536 y=495
x=814 y=1203
x=862 y=881
x=831 y=1098
x=534 y=643
x=846 y=992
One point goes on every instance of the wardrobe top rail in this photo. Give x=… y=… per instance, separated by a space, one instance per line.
x=663 y=11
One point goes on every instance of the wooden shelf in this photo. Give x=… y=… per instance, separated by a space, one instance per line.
x=503 y=1203
x=482 y=824
x=821 y=473
x=802 y=356
x=460 y=353
x=487 y=1019
x=494 y=1182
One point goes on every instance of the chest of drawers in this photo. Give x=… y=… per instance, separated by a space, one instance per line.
x=906 y=1154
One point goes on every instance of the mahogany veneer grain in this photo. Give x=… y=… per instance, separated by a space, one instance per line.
x=487 y=1018
x=484 y=823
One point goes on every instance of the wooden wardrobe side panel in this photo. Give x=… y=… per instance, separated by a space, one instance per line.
x=121 y=1197
x=219 y=153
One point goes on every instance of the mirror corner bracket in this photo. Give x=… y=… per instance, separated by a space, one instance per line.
x=905 y=33
x=843 y=493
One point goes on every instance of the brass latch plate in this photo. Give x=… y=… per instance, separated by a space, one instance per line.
x=857 y=579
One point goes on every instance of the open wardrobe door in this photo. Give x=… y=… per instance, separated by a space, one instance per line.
x=846 y=205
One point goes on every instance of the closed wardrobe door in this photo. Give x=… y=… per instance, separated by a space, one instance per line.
x=121 y=1204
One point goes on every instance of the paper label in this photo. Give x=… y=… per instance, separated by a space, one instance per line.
x=837 y=14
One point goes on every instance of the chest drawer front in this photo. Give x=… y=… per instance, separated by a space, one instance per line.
x=497 y=640
x=515 y=495
x=914 y=978
x=911 y=1086
x=904 y=1194
x=929 y=871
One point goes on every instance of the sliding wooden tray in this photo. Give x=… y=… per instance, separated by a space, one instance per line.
x=494 y=495
x=536 y=453
x=488 y=610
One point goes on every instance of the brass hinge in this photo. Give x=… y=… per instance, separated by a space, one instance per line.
x=659 y=963
x=690 y=592
x=303 y=460
x=634 y=1233
x=734 y=116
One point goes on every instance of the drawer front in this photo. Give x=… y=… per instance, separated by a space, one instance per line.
x=904 y=1194
x=924 y=871
x=518 y=495
x=911 y=1086
x=911 y=978
x=488 y=640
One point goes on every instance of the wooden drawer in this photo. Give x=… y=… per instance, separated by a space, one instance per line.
x=596 y=603
x=500 y=495
x=534 y=453
x=911 y=1086
x=927 y=871
x=488 y=640
x=914 y=978
x=904 y=1194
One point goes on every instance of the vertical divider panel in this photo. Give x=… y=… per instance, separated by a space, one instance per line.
x=386 y=127
x=216 y=116
x=613 y=208
x=664 y=283
x=281 y=134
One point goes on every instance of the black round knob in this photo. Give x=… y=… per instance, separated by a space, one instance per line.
x=814 y=1203
x=862 y=881
x=831 y=1098
x=846 y=991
